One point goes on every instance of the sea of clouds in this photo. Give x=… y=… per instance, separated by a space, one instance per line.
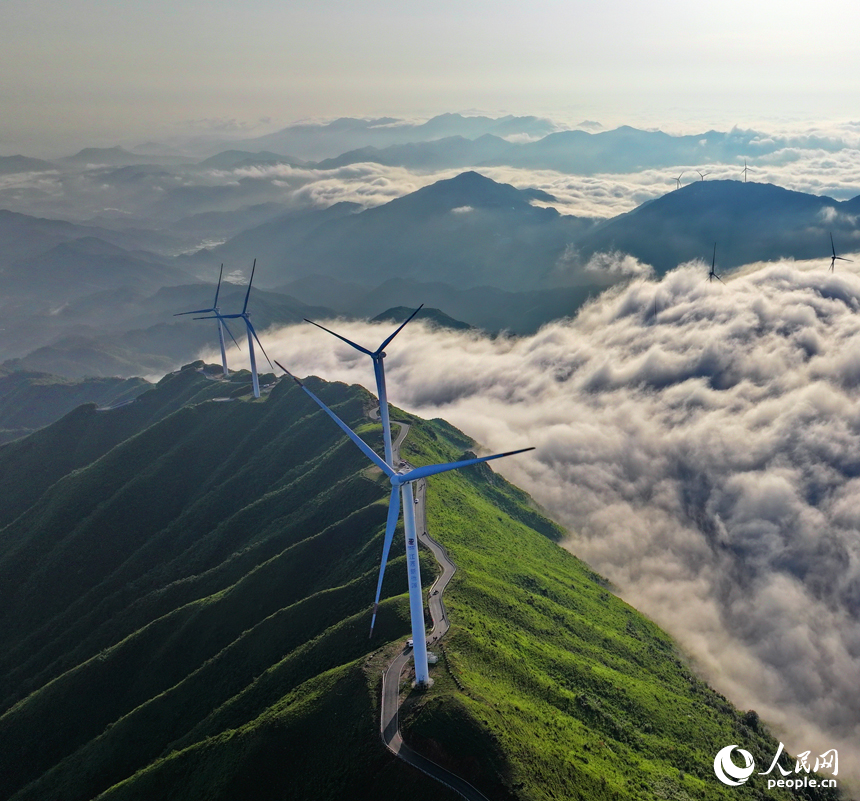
x=701 y=441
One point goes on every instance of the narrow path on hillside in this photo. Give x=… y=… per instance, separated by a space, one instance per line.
x=389 y=725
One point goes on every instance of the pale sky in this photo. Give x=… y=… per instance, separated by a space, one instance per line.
x=78 y=72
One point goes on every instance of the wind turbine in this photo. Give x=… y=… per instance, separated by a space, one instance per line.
x=703 y=174
x=746 y=169
x=252 y=334
x=678 y=179
x=712 y=274
x=835 y=257
x=401 y=484
x=378 y=357
x=221 y=324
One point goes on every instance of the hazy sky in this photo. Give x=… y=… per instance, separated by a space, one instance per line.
x=92 y=71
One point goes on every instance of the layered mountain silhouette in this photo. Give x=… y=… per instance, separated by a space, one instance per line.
x=480 y=251
x=138 y=332
x=439 y=154
x=468 y=231
x=319 y=141
x=748 y=221
x=9 y=165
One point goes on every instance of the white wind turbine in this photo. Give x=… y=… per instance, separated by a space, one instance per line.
x=834 y=258
x=378 y=357
x=252 y=334
x=221 y=324
x=713 y=273
x=401 y=483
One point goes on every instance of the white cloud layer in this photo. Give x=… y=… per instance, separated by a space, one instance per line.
x=706 y=455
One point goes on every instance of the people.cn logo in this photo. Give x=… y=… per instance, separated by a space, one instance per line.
x=729 y=773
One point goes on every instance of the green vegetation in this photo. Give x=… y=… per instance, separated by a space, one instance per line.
x=31 y=400
x=184 y=605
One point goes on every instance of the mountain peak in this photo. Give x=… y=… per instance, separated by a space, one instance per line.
x=468 y=190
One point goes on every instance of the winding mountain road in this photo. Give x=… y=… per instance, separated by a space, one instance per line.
x=389 y=725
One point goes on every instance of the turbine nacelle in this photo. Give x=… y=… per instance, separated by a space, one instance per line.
x=378 y=358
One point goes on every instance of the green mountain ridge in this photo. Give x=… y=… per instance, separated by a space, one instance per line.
x=184 y=606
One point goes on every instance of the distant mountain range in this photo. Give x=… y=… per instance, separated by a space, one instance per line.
x=747 y=221
x=479 y=250
x=471 y=232
x=468 y=231
x=319 y=141
x=10 y=165
x=456 y=142
x=129 y=332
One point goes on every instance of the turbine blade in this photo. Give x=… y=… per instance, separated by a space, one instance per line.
x=219 y=316
x=433 y=469
x=344 y=339
x=227 y=329
x=250 y=281
x=719 y=279
x=832 y=246
x=218 y=288
x=251 y=329
x=360 y=443
x=196 y=311
x=393 y=514
x=714 y=259
x=384 y=344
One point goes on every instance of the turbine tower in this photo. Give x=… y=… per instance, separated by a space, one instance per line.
x=221 y=324
x=678 y=179
x=834 y=258
x=378 y=357
x=252 y=334
x=712 y=274
x=401 y=484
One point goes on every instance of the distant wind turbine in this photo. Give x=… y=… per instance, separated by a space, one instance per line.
x=712 y=274
x=746 y=169
x=834 y=258
x=252 y=334
x=703 y=174
x=678 y=179
x=221 y=324
x=401 y=483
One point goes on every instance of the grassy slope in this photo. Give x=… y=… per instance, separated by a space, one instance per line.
x=31 y=400
x=195 y=580
x=221 y=651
